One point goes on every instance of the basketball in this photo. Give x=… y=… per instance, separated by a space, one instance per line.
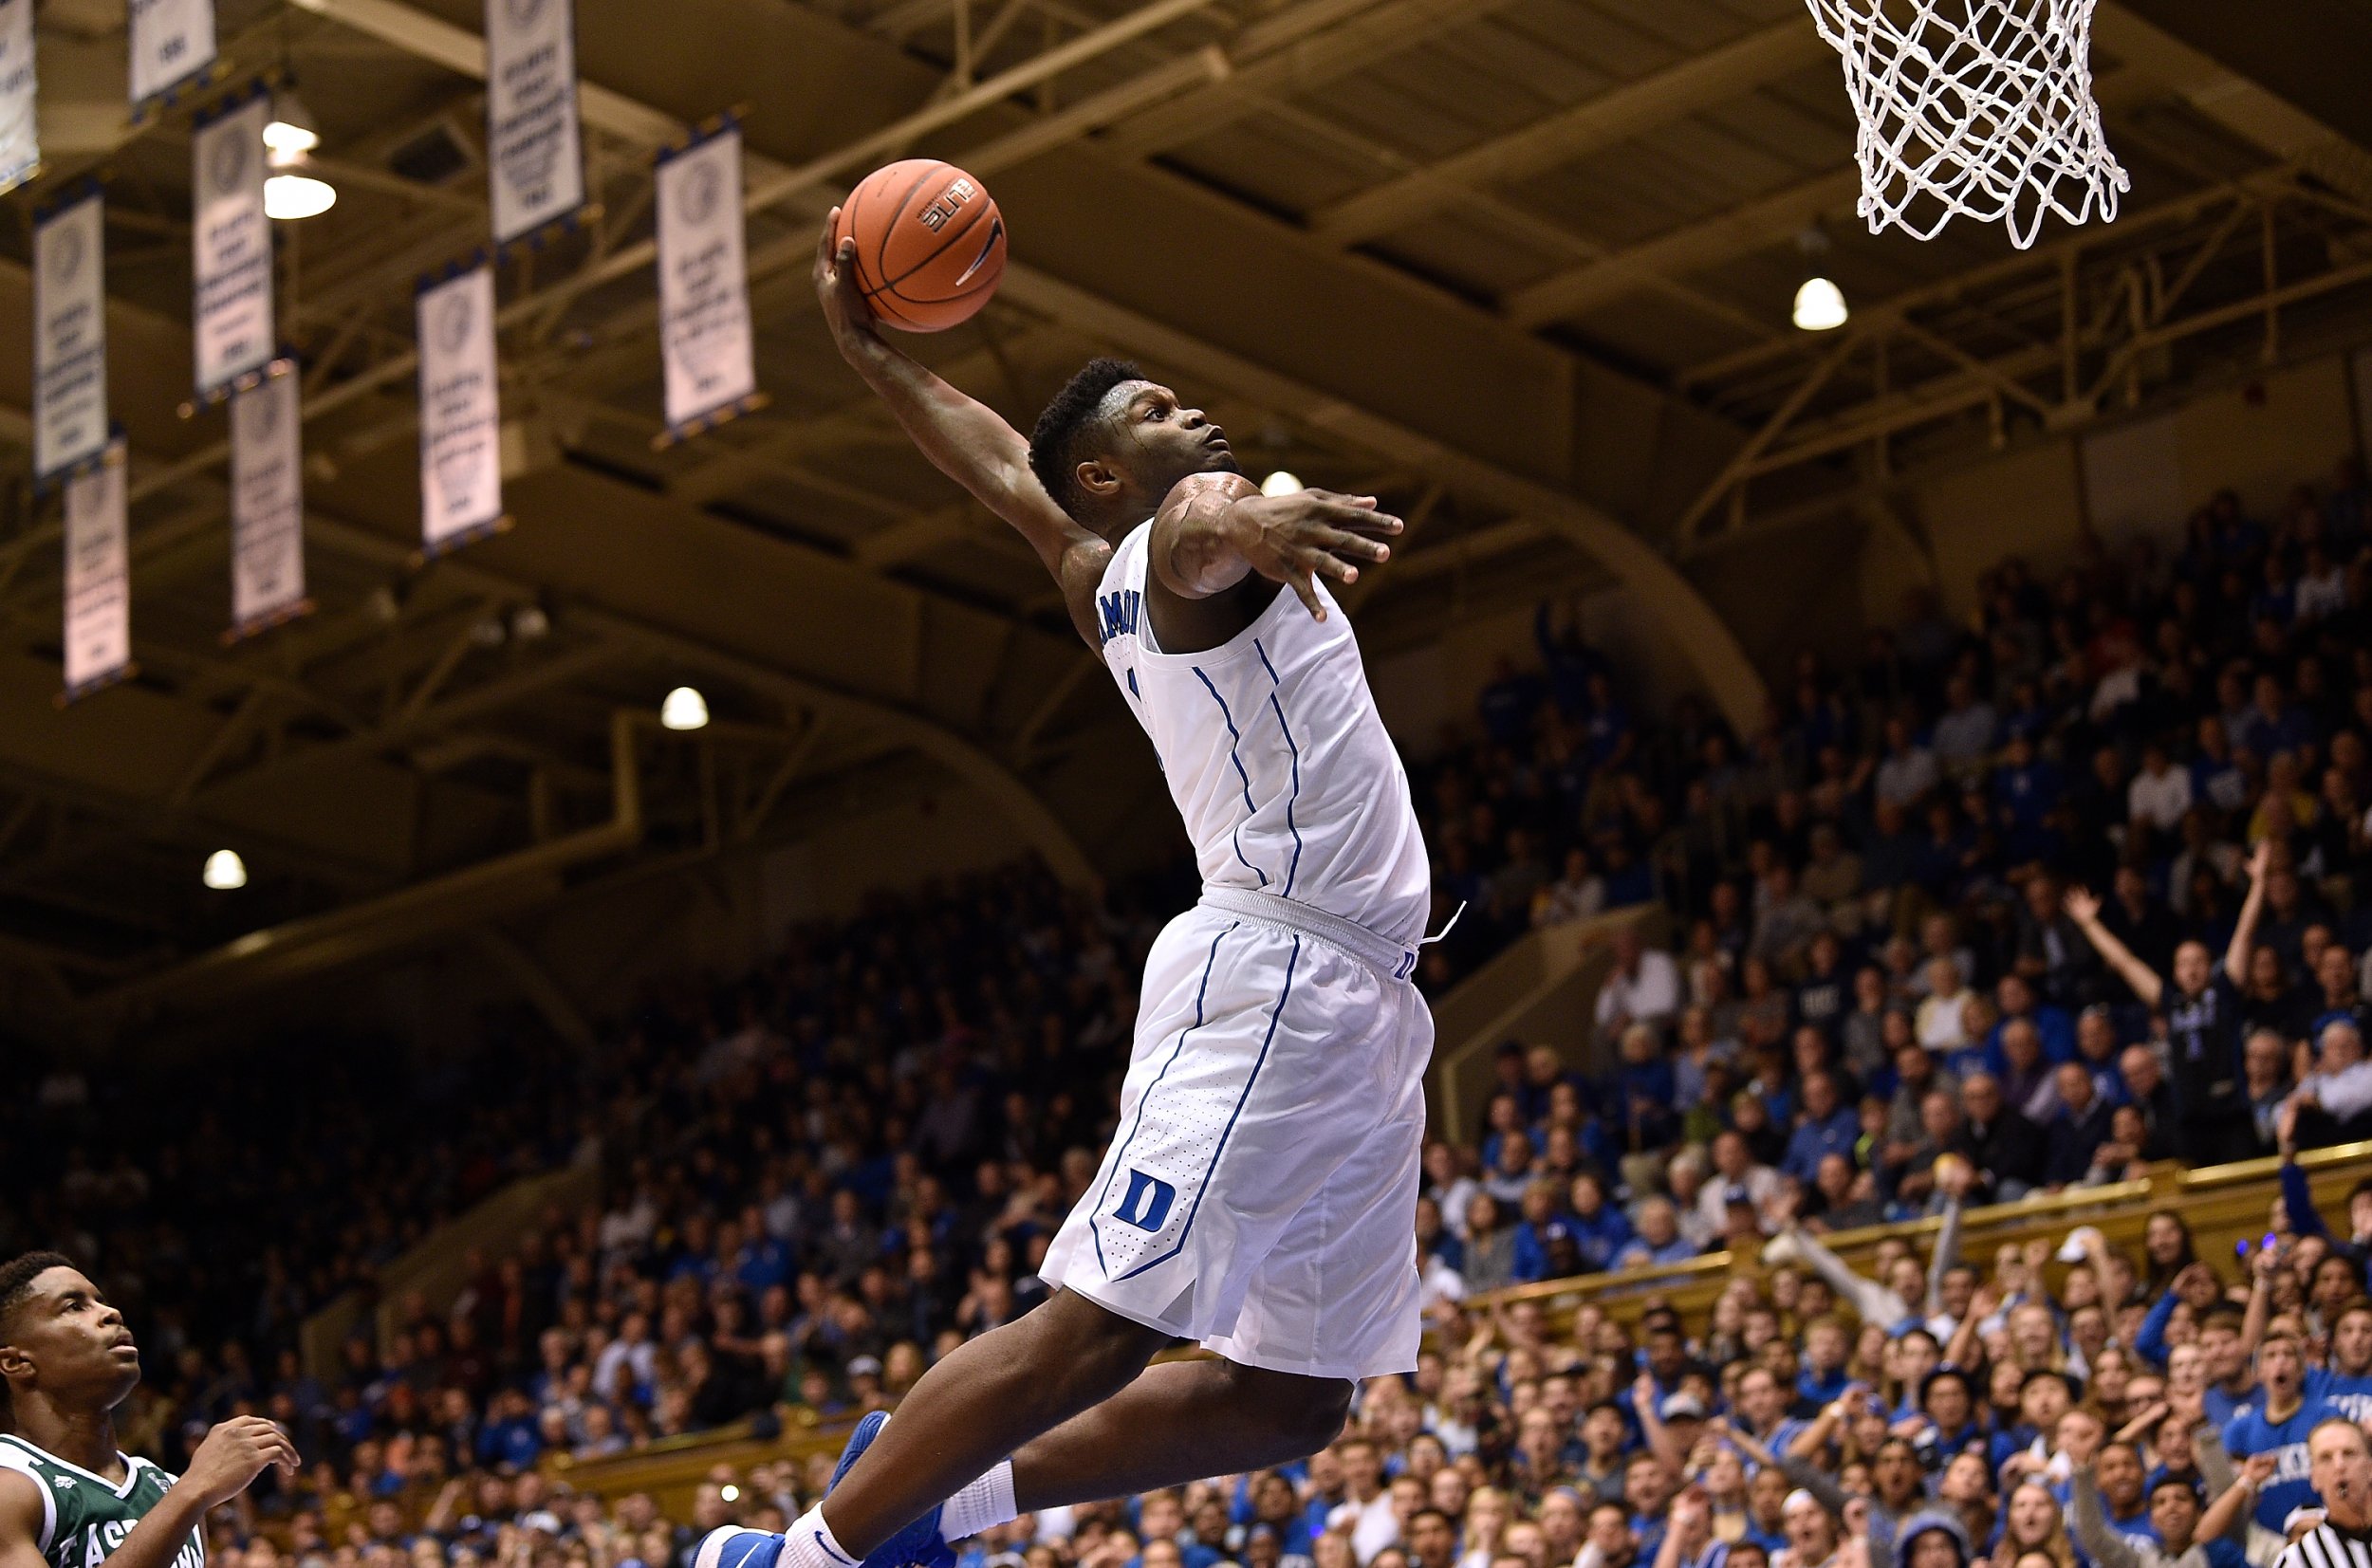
x=930 y=242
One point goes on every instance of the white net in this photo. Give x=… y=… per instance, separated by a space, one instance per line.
x=1974 y=108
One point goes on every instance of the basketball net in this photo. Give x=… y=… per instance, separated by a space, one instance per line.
x=1974 y=108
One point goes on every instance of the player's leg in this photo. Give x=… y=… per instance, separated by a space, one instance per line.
x=985 y=1400
x=1173 y=1424
x=1251 y=1087
x=1179 y=1422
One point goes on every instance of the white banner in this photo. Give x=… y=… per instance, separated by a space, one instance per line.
x=20 y=135
x=70 y=337
x=171 y=41
x=534 y=151
x=703 y=280
x=266 y=501
x=98 y=591
x=461 y=464
x=232 y=320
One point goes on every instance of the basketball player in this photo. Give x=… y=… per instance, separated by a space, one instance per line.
x=1260 y=1194
x=67 y=1497
x=2339 y=1459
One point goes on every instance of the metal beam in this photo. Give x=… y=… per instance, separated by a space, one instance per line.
x=1696 y=83
x=1292 y=53
x=2246 y=107
x=1313 y=55
x=1741 y=229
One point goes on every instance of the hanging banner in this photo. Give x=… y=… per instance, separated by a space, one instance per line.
x=172 y=42
x=20 y=133
x=461 y=469
x=232 y=320
x=70 y=337
x=704 y=285
x=534 y=151
x=97 y=588
x=266 y=502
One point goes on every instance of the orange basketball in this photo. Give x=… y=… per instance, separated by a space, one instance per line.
x=930 y=243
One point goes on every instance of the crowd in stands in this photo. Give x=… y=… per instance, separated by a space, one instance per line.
x=2014 y=904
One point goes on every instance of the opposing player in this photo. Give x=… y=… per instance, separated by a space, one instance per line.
x=67 y=1497
x=1261 y=1192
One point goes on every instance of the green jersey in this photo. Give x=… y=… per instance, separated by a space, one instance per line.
x=85 y=1517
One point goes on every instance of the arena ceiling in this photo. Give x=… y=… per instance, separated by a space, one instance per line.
x=1523 y=266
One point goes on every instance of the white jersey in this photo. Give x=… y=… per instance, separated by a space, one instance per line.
x=1275 y=754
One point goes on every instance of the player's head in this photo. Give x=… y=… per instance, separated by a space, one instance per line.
x=60 y=1337
x=1110 y=444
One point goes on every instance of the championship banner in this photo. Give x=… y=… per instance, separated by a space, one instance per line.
x=70 y=337
x=534 y=149
x=704 y=286
x=232 y=320
x=98 y=588
x=266 y=502
x=461 y=468
x=171 y=41
x=20 y=133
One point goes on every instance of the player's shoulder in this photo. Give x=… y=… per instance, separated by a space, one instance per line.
x=28 y=1511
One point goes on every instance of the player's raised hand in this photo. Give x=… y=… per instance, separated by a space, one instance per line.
x=844 y=310
x=234 y=1453
x=1297 y=538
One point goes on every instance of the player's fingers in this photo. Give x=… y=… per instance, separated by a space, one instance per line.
x=1364 y=519
x=823 y=245
x=1333 y=566
x=1352 y=546
x=1307 y=590
x=1364 y=501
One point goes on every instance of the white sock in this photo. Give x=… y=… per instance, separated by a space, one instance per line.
x=808 y=1544
x=983 y=1505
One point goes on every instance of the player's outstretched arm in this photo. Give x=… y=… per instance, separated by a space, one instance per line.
x=1216 y=531
x=964 y=438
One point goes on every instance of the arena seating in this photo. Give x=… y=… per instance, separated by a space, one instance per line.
x=809 y=1182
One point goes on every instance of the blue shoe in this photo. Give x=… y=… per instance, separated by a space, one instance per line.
x=731 y=1546
x=918 y=1545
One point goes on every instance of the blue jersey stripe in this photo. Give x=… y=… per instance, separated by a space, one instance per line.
x=1234 y=754
x=1200 y=991
x=1276 y=686
x=1203 y=1186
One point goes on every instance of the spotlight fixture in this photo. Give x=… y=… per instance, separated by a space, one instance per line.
x=1819 y=303
x=684 y=709
x=225 y=871
x=291 y=132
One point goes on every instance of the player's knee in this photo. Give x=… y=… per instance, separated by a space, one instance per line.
x=1309 y=1412
x=1099 y=1351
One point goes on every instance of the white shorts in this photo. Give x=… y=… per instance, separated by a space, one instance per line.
x=1260 y=1195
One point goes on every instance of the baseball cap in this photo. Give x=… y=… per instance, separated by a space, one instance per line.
x=865 y=1366
x=1683 y=1406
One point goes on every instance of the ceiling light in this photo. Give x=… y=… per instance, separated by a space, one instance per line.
x=1280 y=483
x=225 y=870
x=684 y=710
x=289 y=197
x=290 y=130
x=1819 y=306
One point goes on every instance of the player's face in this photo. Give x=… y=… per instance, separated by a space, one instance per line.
x=1156 y=441
x=68 y=1339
